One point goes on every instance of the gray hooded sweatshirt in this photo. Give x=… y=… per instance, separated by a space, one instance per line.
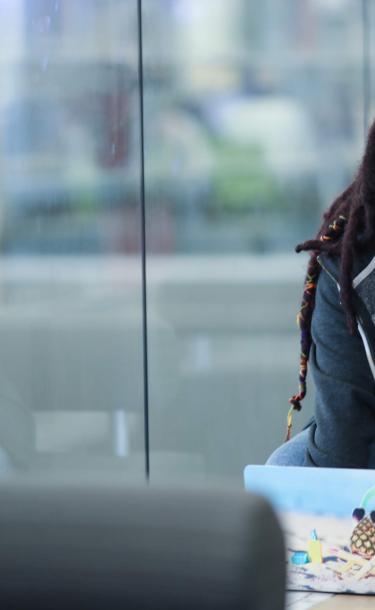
x=342 y=433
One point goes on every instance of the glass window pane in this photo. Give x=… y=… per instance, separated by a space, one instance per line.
x=254 y=122
x=70 y=268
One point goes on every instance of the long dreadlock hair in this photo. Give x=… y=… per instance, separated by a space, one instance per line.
x=348 y=226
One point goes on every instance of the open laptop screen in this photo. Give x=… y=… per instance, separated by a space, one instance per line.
x=328 y=516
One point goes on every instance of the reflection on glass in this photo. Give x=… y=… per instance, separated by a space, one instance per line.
x=253 y=123
x=70 y=272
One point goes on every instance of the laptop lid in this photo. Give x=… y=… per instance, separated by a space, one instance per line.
x=328 y=518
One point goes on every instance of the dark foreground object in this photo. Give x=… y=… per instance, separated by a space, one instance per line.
x=85 y=546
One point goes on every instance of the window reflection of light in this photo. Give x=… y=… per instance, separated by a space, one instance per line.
x=331 y=6
x=187 y=10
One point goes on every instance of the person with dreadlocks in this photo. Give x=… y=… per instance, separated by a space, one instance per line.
x=337 y=324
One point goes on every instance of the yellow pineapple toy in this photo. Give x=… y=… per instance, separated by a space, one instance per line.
x=362 y=540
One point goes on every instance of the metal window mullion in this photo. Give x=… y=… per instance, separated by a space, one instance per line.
x=366 y=64
x=143 y=243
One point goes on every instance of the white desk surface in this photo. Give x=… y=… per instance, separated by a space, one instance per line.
x=301 y=600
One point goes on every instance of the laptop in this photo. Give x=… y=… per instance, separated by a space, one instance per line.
x=328 y=517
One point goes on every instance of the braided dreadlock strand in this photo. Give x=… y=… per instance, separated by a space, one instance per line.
x=304 y=322
x=304 y=316
x=346 y=270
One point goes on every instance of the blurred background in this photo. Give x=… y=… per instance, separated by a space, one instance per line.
x=254 y=119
